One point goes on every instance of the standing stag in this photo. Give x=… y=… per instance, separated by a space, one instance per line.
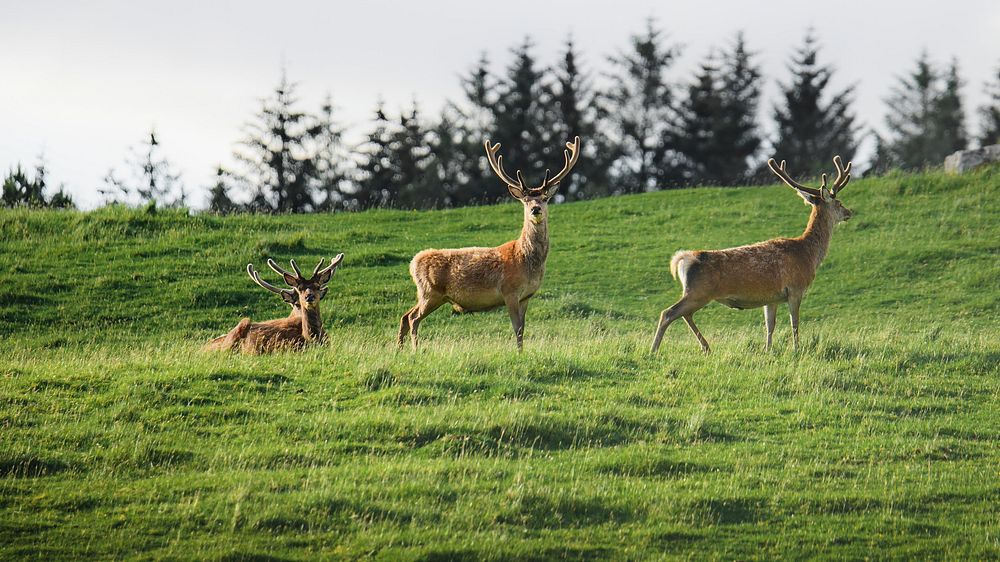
x=302 y=326
x=762 y=274
x=481 y=279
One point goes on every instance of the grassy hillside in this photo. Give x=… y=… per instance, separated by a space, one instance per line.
x=120 y=439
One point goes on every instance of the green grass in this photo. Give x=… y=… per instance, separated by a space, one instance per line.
x=119 y=438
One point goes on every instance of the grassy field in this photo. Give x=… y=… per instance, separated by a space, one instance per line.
x=120 y=439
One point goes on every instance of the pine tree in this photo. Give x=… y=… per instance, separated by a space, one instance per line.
x=331 y=160
x=447 y=174
x=278 y=166
x=409 y=159
x=989 y=132
x=523 y=120
x=810 y=131
x=718 y=120
x=61 y=200
x=219 y=200
x=576 y=114
x=741 y=89
x=470 y=124
x=950 y=115
x=21 y=191
x=701 y=121
x=641 y=119
x=373 y=187
x=925 y=118
x=149 y=178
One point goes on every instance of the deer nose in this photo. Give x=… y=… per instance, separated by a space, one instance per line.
x=536 y=210
x=310 y=297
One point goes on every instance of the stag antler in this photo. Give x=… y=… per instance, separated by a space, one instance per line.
x=256 y=278
x=496 y=163
x=843 y=175
x=517 y=188
x=783 y=175
x=291 y=279
x=319 y=274
x=572 y=154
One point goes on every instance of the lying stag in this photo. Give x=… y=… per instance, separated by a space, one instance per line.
x=302 y=326
x=481 y=279
x=763 y=274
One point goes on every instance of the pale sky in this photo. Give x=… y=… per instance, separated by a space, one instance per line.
x=84 y=81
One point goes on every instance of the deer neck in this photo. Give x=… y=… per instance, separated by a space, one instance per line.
x=816 y=237
x=312 y=325
x=534 y=243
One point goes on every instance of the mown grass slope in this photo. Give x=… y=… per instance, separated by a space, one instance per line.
x=119 y=438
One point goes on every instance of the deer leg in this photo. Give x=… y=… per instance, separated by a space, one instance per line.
x=689 y=318
x=423 y=308
x=523 y=313
x=681 y=308
x=769 y=313
x=404 y=327
x=516 y=319
x=793 y=312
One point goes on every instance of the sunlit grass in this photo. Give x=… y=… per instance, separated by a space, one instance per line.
x=119 y=438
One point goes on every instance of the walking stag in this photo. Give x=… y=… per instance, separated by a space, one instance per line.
x=763 y=274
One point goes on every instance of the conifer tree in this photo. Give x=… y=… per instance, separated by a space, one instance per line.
x=950 y=121
x=277 y=165
x=523 y=120
x=641 y=119
x=331 y=160
x=576 y=114
x=989 y=128
x=701 y=121
x=375 y=181
x=148 y=178
x=447 y=175
x=813 y=126
x=21 y=191
x=473 y=122
x=409 y=158
x=219 y=200
x=925 y=120
x=718 y=119
x=741 y=89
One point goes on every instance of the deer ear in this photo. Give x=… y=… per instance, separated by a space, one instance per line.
x=290 y=297
x=515 y=192
x=290 y=279
x=324 y=276
x=809 y=198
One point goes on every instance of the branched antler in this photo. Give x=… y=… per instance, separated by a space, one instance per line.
x=843 y=176
x=783 y=175
x=327 y=272
x=572 y=154
x=256 y=278
x=496 y=163
x=517 y=188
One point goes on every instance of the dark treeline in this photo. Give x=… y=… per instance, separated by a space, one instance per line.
x=641 y=130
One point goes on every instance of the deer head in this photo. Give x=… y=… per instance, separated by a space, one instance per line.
x=820 y=197
x=534 y=199
x=304 y=293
